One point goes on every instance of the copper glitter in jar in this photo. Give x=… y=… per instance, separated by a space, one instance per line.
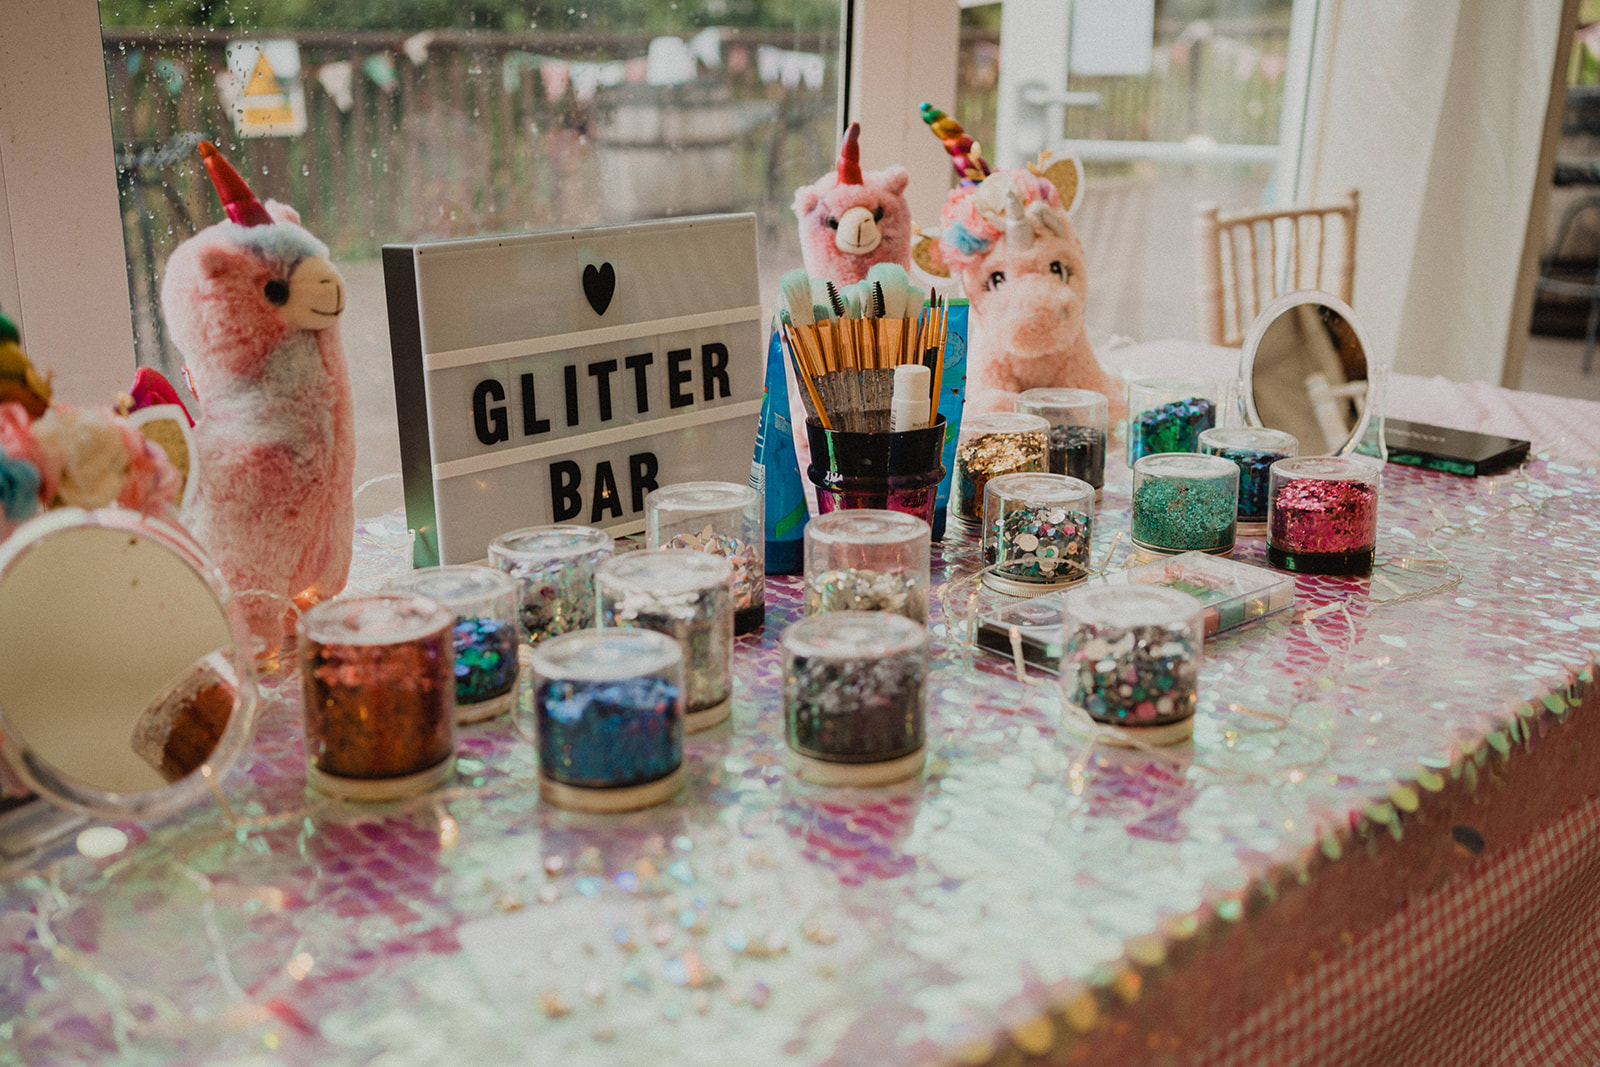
x=989 y=446
x=1322 y=517
x=379 y=683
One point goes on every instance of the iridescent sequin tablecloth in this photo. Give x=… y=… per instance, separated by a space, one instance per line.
x=1033 y=895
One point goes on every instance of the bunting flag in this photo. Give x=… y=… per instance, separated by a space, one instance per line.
x=338 y=81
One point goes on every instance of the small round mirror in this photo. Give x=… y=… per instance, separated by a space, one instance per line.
x=1304 y=369
x=123 y=673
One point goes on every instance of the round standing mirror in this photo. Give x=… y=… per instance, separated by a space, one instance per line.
x=1305 y=370
x=123 y=671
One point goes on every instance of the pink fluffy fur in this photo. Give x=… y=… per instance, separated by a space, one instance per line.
x=275 y=442
x=1028 y=315
x=826 y=201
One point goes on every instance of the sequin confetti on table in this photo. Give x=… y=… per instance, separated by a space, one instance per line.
x=759 y=919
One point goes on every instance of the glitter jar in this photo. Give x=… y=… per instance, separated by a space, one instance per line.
x=1254 y=450
x=380 y=695
x=1036 y=530
x=608 y=705
x=554 y=570
x=854 y=696
x=724 y=519
x=1001 y=442
x=1322 y=516
x=1131 y=656
x=1183 y=502
x=1167 y=414
x=868 y=560
x=1077 y=419
x=689 y=597
x=483 y=601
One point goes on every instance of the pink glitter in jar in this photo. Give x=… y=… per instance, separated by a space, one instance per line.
x=1322 y=515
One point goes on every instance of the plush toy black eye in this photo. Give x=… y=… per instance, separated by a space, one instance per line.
x=833 y=224
x=1059 y=269
x=277 y=291
x=996 y=280
x=877 y=214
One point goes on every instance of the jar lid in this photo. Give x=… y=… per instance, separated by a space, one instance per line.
x=1328 y=469
x=606 y=655
x=538 y=544
x=1060 y=398
x=380 y=619
x=870 y=526
x=850 y=635
x=1003 y=422
x=1127 y=606
x=1190 y=466
x=703 y=496
x=1187 y=386
x=457 y=587
x=1260 y=438
x=1035 y=487
x=666 y=571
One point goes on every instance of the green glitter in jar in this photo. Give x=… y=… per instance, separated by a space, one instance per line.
x=1179 y=515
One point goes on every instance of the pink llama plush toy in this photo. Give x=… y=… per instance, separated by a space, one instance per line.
x=1007 y=237
x=851 y=221
x=253 y=304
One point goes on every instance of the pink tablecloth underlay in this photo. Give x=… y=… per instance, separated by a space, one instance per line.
x=1557 y=426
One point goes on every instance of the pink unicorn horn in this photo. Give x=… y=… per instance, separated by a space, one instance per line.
x=237 y=199
x=849 y=169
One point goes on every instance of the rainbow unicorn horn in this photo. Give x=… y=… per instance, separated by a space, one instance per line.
x=234 y=192
x=965 y=154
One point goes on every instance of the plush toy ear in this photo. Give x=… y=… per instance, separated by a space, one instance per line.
x=805 y=198
x=216 y=260
x=925 y=254
x=896 y=178
x=281 y=212
x=1067 y=176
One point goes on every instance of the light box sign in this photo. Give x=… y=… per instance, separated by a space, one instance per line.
x=559 y=377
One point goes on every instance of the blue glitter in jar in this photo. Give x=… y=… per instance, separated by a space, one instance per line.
x=486 y=659
x=1253 y=451
x=609 y=707
x=484 y=634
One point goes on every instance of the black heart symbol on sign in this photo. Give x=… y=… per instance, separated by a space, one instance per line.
x=599 y=285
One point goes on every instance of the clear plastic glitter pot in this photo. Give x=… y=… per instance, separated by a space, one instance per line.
x=1131 y=658
x=380 y=696
x=855 y=697
x=1036 y=531
x=1167 y=414
x=553 y=567
x=688 y=596
x=1254 y=450
x=1322 y=516
x=1184 y=502
x=867 y=560
x=483 y=601
x=1077 y=419
x=1001 y=442
x=608 y=705
x=724 y=519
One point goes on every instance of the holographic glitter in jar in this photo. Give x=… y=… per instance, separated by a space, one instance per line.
x=1036 y=531
x=1254 y=450
x=554 y=570
x=1131 y=656
x=854 y=696
x=689 y=597
x=1322 y=517
x=1183 y=502
x=724 y=519
x=1077 y=419
x=609 y=709
x=1167 y=415
x=379 y=695
x=1002 y=442
x=483 y=601
x=867 y=560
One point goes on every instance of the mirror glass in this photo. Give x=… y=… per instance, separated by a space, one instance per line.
x=1305 y=370
x=122 y=673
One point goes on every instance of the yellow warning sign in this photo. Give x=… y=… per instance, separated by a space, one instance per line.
x=263 y=88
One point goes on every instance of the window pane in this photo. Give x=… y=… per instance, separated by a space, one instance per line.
x=492 y=117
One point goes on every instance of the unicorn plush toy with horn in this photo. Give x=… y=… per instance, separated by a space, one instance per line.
x=253 y=303
x=851 y=221
x=1007 y=237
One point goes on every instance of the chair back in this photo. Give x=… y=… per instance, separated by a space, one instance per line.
x=1249 y=258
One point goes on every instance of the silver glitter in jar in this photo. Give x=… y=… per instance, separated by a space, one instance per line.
x=1131 y=658
x=867 y=560
x=723 y=519
x=854 y=697
x=688 y=596
x=553 y=567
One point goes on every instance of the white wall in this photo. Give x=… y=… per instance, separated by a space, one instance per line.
x=1435 y=111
